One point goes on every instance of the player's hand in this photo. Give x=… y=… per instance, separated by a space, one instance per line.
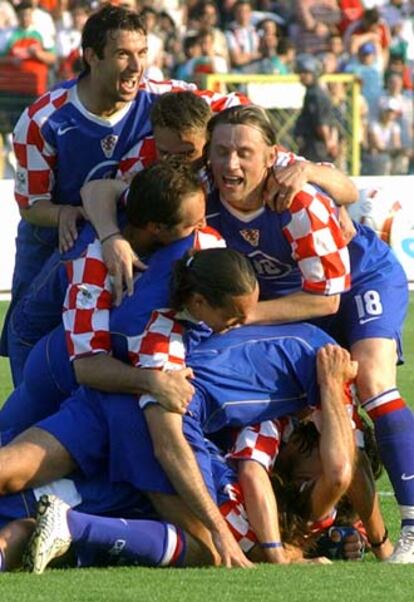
x=229 y=550
x=67 y=230
x=283 y=184
x=334 y=364
x=172 y=389
x=347 y=226
x=121 y=259
x=354 y=546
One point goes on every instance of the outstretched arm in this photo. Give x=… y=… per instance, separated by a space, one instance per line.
x=177 y=459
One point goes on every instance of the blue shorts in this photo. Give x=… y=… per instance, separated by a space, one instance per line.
x=374 y=308
x=48 y=380
x=93 y=496
x=102 y=431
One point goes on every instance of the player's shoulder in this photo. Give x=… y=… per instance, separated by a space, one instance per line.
x=169 y=85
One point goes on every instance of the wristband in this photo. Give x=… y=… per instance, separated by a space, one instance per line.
x=271 y=544
x=105 y=238
x=378 y=544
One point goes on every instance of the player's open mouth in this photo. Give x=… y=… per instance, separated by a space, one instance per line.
x=129 y=84
x=231 y=181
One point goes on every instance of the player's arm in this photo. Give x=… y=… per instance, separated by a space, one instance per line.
x=34 y=183
x=177 y=459
x=364 y=499
x=286 y=181
x=172 y=390
x=319 y=247
x=261 y=508
x=336 y=444
x=100 y=199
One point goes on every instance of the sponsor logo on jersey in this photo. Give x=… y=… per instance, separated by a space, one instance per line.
x=251 y=235
x=108 y=145
x=61 y=131
x=267 y=267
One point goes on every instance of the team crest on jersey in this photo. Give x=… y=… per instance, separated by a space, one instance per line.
x=251 y=235
x=108 y=145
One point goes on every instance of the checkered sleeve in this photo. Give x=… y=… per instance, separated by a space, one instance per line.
x=218 y=102
x=87 y=304
x=317 y=243
x=35 y=157
x=234 y=513
x=259 y=442
x=160 y=347
x=140 y=156
x=208 y=238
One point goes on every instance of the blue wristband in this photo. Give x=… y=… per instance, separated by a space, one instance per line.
x=271 y=544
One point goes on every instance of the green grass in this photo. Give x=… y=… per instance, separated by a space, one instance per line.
x=367 y=580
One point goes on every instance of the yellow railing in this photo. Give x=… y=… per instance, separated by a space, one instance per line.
x=284 y=117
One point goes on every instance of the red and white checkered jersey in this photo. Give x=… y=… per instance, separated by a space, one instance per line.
x=261 y=442
x=141 y=155
x=39 y=133
x=317 y=243
x=235 y=515
x=89 y=299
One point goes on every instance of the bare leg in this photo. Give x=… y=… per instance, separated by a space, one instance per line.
x=13 y=540
x=34 y=458
x=201 y=550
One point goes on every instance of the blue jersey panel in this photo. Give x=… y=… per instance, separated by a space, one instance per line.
x=251 y=374
x=262 y=240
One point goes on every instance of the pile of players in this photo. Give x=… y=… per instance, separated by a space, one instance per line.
x=212 y=444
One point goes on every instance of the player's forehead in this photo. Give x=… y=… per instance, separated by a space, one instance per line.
x=117 y=39
x=238 y=135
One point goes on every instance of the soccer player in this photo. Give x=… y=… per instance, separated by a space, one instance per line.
x=165 y=203
x=180 y=127
x=303 y=268
x=88 y=128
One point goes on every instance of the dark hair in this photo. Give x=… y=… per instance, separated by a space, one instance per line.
x=180 y=111
x=156 y=193
x=370 y=17
x=216 y=273
x=108 y=18
x=244 y=115
x=26 y=4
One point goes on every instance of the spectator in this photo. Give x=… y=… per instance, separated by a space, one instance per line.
x=397 y=65
x=207 y=15
x=387 y=155
x=367 y=68
x=208 y=61
x=351 y=11
x=43 y=22
x=68 y=43
x=242 y=38
x=25 y=54
x=315 y=21
x=8 y=20
x=336 y=45
x=314 y=129
x=192 y=51
x=168 y=32
x=370 y=29
x=404 y=102
x=155 y=57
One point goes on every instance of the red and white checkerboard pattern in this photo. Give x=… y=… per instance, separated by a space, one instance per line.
x=216 y=100
x=234 y=512
x=317 y=243
x=36 y=159
x=87 y=304
x=259 y=442
x=141 y=155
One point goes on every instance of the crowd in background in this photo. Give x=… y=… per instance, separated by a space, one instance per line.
x=374 y=39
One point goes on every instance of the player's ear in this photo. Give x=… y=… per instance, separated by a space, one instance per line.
x=271 y=156
x=89 y=56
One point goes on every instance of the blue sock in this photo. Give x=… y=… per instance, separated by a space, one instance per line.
x=122 y=541
x=394 y=432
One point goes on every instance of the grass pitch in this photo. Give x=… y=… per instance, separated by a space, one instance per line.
x=349 y=582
